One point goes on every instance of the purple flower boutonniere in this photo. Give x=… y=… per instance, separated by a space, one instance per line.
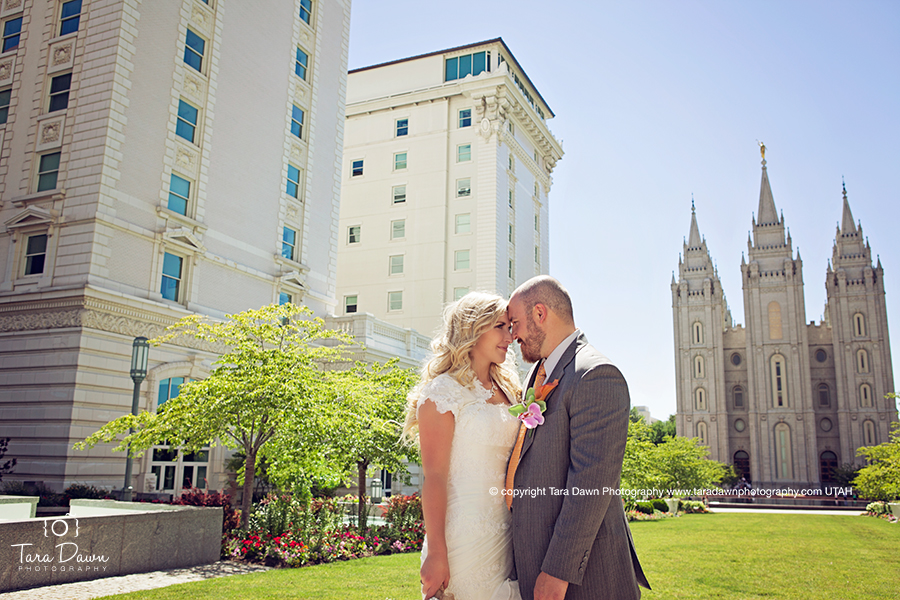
x=531 y=411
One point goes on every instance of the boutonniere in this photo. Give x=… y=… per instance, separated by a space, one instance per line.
x=531 y=411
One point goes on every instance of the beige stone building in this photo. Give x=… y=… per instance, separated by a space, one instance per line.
x=446 y=175
x=784 y=401
x=157 y=159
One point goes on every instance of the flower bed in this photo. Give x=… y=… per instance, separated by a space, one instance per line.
x=881 y=510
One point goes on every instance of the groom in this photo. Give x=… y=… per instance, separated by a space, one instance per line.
x=570 y=536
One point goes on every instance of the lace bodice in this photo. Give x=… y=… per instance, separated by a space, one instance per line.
x=477 y=523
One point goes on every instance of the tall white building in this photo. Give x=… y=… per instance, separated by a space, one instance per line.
x=784 y=401
x=158 y=159
x=446 y=175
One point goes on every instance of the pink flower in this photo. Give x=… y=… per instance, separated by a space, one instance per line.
x=532 y=416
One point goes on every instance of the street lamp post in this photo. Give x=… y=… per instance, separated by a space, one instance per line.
x=140 y=352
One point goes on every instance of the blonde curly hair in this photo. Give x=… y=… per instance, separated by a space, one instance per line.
x=464 y=322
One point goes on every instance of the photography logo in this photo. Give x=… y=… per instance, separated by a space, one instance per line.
x=66 y=556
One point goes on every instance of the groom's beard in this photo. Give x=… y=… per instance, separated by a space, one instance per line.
x=531 y=348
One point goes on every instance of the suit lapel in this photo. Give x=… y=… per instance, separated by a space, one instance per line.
x=558 y=371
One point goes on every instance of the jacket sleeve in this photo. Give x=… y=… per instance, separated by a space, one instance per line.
x=598 y=429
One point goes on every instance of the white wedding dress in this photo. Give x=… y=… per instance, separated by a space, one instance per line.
x=477 y=529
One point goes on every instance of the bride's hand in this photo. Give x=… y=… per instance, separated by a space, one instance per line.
x=435 y=574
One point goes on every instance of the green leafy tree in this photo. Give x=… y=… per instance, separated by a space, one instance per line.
x=637 y=471
x=880 y=479
x=681 y=463
x=269 y=374
x=361 y=427
x=10 y=464
x=661 y=429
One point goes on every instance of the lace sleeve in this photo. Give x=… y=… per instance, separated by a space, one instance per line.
x=443 y=390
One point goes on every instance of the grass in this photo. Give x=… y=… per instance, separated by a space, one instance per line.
x=746 y=556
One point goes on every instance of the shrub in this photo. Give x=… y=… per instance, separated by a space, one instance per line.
x=273 y=514
x=692 y=506
x=660 y=505
x=877 y=508
x=80 y=490
x=403 y=511
x=14 y=488
x=644 y=506
x=196 y=497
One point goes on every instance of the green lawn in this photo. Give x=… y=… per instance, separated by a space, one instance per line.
x=703 y=557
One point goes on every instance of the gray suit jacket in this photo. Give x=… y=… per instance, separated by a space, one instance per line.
x=564 y=522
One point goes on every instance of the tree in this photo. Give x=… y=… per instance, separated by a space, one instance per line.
x=270 y=374
x=661 y=429
x=637 y=472
x=10 y=464
x=880 y=479
x=681 y=463
x=361 y=426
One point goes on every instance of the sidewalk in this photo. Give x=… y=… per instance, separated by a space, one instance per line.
x=787 y=511
x=96 y=588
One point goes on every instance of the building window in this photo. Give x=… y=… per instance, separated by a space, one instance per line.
x=511 y=269
x=35 y=254
x=59 y=92
x=469 y=64
x=356 y=168
x=289 y=243
x=821 y=355
x=297 y=121
x=186 y=126
x=700 y=399
x=168 y=389
x=171 y=278
x=398 y=193
x=742 y=464
x=399 y=161
x=859 y=325
x=5 y=97
x=464 y=153
x=292 y=186
x=537 y=255
x=739 y=425
x=828 y=462
x=179 y=194
x=350 y=304
x=511 y=198
x=11 y=31
x=463 y=223
x=826 y=424
x=461 y=260
x=702 y=433
x=398 y=229
x=779 y=381
x=301 y=64
x=353 y=234
x=865 y=396
x=784 y=465
x=868 y=433
x=397 y=265
x=284 y=298
x=862 y=361
x=70 y=16
x=510 y=233
x=737 y=393
x=736 y=359
x=698 y=333
x=536 y=189
x=194 y=45
x=511 y=127
x=511 y=163
x=824 y=396
x=698 y=367
x=48 y=171
x=463 y=187
x=395 y=300
x=401 y=127
x=306 y=11
x=459 y=292
x=465 y=117
x=537 y=221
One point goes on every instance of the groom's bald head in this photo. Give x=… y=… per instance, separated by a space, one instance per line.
x=545 y=290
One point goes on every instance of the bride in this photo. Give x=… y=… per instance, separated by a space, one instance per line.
x=459 y=412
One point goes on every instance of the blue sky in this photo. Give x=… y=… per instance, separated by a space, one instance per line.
x=656 y=101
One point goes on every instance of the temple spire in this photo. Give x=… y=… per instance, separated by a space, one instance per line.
x=847 y=224
x=768 y=215
x=694 y=240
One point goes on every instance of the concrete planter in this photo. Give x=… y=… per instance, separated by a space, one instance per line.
x=673 y=505
x=895 y=508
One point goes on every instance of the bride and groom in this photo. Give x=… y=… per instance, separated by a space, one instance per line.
x=513 y=492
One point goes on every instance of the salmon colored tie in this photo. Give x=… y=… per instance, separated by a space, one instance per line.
x=517 y=449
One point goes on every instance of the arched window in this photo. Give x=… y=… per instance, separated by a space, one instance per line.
x=828 y=462
x=775 y=321
x=176 y=470
x=742 y=464
x=699 y=371
x=784 y=466
x=824 y=396
x=702 y=433
x=779 y=381
x=862 y=361
x=859 y=325
x=869 y=433
x=738 y=394
x=168 y=389
x=700 y=399
x=698 y=333
x=865 y=395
